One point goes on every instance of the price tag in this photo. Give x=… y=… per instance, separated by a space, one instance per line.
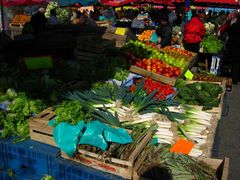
x=120 y=31
x=189 y=75
x=41 y=62
x=182 y=146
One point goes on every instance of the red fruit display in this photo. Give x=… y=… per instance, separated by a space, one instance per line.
x=163 y=90
x=159 y=67
x=178 y=53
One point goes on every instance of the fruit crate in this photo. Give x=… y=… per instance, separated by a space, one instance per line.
x=122 y=168
x=215 y=110
x=15 y=30
x=89 y=47
x=110 y=34
x=161 y=78
x=221 y=167
x=39 y=128
x=31 y=156
x=69 y=170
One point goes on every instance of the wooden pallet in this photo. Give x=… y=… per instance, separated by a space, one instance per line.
x=123 y=168
x=161 y=78
x=221 y=166
x=39 y=128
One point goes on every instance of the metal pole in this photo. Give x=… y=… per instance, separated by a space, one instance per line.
x=2 y=16
x=187 y=9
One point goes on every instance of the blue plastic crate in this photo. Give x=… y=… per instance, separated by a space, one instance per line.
x=32 y=156
x=24 y=175
x=3 y=174
x=69 y=170
x=2 y=154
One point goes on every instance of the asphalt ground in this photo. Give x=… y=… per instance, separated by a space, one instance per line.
x=229 y=133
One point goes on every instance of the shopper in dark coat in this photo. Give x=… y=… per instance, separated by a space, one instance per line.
x=38 y=20
x=164 y=32
x=233 y=47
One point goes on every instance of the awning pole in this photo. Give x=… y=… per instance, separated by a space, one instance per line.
x=2 y=16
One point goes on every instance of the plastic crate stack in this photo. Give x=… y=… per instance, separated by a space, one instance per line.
x=31 y=160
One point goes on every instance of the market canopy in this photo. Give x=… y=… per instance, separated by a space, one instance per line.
x=22 y=2
x=123 y=2
x=168 y=2
x=115 y=2
x=233 y=2
x=82 y=2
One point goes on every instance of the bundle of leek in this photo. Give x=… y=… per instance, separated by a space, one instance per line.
x=180 y=166
x=194 y=126
x=165 y=132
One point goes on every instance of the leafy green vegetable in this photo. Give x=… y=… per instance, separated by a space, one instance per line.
x=203 y=94
x=121 y=75
x=47 y=177
x=212 y=44
x=71 y=112
x=2 y=118
x=20 y=109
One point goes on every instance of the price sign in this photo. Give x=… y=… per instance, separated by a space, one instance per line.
x=182 y=146
x=189 y=75
x=120 y=31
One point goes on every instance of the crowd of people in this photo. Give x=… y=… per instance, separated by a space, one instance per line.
x=227 y=26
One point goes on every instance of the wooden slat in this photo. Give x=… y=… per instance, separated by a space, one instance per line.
x=114 y=160
x=140 y=147
x=155 y=76
x=168 y=80
x=40 y=130
x=125 y=172
x=225 y=171
x=123 y=168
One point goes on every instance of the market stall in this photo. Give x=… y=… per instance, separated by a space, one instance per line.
x=121 y=108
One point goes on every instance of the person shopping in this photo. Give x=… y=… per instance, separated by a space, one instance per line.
x=164 y=32
x=233 y=47
x=193 y=33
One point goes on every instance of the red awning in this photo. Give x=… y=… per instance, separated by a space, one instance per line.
x=116 y=2
x=168 y=2
x=123 y=2
x=230 y=2
x=22 y=2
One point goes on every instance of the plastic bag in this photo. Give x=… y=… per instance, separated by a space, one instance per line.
x=4 y=105
x=154 y=38
x=94 y=135
x=117 y=135
x=53 y=122
x=66 y=136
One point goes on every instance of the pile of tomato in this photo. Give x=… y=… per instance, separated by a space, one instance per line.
x=177 y=52
x=159 y=67
x=146 y=35
x=153 y=45
x=163 y=90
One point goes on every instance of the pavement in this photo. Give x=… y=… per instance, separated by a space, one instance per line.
x=229 y=133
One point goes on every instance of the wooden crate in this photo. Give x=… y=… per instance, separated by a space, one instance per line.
x=103 y=23
x=123 y=168
x=161 y=78
x=215 y=110
x=208 y=147
x=119 y=39
x=15 y=30
x=221 y=166
x=39 y=128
